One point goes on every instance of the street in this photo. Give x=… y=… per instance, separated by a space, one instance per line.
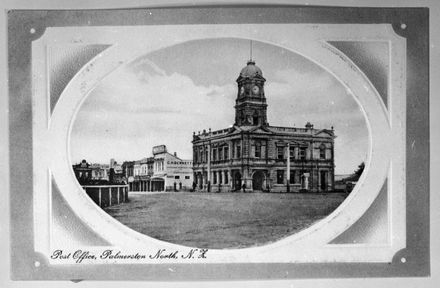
x=223 y=220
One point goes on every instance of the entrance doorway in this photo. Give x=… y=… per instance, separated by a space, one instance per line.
x=158 y=184
x=323 y=180
x=257 y=180
x=237 y=181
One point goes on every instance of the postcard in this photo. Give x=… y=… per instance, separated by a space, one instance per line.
x=273 y=138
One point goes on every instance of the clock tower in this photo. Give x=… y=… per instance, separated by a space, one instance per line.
x=250 y=106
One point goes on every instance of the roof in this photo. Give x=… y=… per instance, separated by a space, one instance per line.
x=268 y=130
x=251 y=70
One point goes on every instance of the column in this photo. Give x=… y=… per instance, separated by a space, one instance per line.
x=306 y=181
x=99 y=196
x=230 y=150
x=288 y=167
x=230 y=180
x=209 y=167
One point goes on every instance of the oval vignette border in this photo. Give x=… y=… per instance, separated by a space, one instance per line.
x=83 y=206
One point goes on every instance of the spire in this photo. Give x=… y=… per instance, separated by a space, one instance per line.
x=250 y=58
x=251 y=61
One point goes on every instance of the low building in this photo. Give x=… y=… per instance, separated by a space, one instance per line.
x=162 y=172
x=83 y=172
x=142 y=175
x=116 y=173
x=170 y=173
x=100 y=171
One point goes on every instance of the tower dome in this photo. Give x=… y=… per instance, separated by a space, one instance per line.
x=251 y=70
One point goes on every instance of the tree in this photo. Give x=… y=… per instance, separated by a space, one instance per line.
x=359 y=171
x=356 y=174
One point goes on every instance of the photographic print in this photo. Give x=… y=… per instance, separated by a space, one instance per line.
x=194 y=118
x=254 y=139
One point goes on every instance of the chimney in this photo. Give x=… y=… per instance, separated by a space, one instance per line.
x=175 y=154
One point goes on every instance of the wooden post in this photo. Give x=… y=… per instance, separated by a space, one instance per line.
x=288 y=167
x=99 y=197
x=118 y=193
x=110 y=196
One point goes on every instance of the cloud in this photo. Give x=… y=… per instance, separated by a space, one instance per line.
x=141 y=106
x=309 y=97
x=130 y=108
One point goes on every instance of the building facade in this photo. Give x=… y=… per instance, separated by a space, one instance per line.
x=116 y=174
x=83 y=172
x=170 y=173
x=161 y=172
x=255 y=156
x=141 y=178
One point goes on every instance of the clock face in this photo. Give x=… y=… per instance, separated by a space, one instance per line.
x=241 y=90
x=255 y=89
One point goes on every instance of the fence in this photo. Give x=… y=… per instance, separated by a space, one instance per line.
x=107 y=195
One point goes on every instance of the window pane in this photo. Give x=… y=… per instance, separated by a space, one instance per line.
x=257 y=150
x=280 y=152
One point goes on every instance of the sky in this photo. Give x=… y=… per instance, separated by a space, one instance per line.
x=163 y=96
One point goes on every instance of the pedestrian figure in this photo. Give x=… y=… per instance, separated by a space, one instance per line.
x=194 y=186
x=243 y=187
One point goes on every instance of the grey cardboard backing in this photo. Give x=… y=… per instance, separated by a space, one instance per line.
x=20 y=138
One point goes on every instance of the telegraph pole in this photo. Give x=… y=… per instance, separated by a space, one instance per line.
x=288 y=167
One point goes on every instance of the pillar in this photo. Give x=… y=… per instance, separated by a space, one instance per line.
x=230 y=180
x=306 y=181
x=230 y=150
x=288 y=167
x=209 y=167
x=99 y=196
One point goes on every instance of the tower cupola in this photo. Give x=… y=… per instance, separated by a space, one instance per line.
x=250 y=105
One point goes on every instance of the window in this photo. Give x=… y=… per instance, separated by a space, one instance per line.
x=226 y=177
x=280 y=152
x=226 y=152
x=255 y=120
x=187 y=177
x=280 y=176
x=214 y=177
x=220 y=153
x=238 y=151
x=177 y=177
x=214 y=154
x=302 y=153
x=292 y=153
x=219 y=177
x=257 y=149
x=292 y=176
x=322 y=152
